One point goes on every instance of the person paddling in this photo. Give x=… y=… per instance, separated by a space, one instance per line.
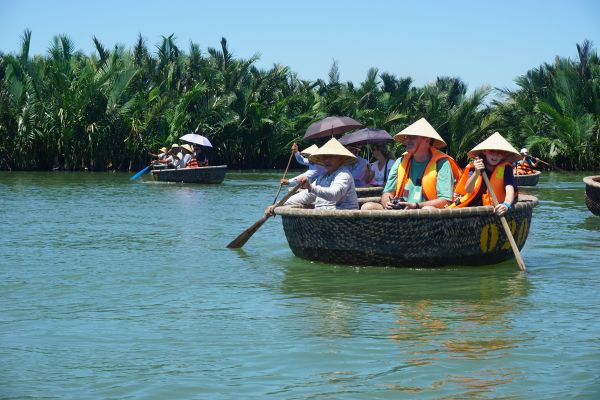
x=526 y=165
x=335 y=188
x=314 y=170
x=495 y=156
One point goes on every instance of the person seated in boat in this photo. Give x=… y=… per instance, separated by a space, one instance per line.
x=314 y=170
x=361 y=170
x=423 y=177
x=200 y=156
x=162 y=154
x=193 y=162
x=526 y=165
x=495 y=156
x=335 y=188
x=186 y=156
x=171 y=158
x=384 y=161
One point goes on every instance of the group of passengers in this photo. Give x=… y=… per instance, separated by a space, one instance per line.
x=179 y=157
x=424 y=177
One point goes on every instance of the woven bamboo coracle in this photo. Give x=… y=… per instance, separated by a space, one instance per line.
x=528 y=180
x=213 y=174
x=592 y=193
x=412 y=238
x=369 y=191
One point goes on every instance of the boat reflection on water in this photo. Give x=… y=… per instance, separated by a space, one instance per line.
x=431 y=318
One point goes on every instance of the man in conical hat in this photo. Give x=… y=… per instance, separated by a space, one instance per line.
x=334 y=189
x=423 y=177
x=314 y=170
x=494 y=156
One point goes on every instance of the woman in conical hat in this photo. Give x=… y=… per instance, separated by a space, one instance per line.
x=334 y=189
x=495 y=156
x=423 y=177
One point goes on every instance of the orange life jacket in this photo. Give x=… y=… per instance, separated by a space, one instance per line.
x=462 y=198
x=193 y=163
x=429 y=179
x=524 y=168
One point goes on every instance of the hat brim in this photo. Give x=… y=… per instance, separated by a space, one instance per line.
x=320 y=159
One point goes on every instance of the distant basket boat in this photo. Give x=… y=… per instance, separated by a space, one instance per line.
x=369 y=191
x=211 y=174
x=592 y=193
x=414 y=238
x=528 y=180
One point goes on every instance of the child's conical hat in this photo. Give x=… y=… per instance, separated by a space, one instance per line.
x=421 y=128
x=309 y=150
x=496 y=142
x=332 y=148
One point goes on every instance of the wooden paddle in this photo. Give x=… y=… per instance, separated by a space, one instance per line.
x=243 y=237
x=511 y=239
x=284 y=174
x=551 y=166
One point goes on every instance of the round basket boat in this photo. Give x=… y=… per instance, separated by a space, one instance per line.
x=592 y=193
x=369 y=191
x=211 y=174
x=528 y=180
x=413 y=238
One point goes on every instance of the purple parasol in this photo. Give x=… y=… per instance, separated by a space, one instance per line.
x=366 y=136
x=331 y=126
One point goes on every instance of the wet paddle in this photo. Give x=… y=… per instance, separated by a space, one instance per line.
x=142 y=172
x=243 y=237
x=551 y=166
x=511 y=239
x=284 y=174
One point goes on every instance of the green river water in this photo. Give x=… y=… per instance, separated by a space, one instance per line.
x=118 y=290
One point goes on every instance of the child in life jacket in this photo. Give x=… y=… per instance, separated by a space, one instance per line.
x=495 y=156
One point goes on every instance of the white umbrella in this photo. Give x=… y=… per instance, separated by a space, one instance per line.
x=197 y=139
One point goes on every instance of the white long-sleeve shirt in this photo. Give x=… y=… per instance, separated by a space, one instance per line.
x=330 y=191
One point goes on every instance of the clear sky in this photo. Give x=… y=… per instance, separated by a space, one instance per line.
x=480 y=41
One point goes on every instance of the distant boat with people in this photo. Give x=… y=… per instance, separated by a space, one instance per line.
x=528 y=179
x=209 y=174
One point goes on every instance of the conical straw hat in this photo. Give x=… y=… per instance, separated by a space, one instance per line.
x=496 y=142
x=309 y=150
x=424 y=129
x=332 y=148
x=187 y=147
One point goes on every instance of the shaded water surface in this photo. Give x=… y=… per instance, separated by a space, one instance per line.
x=112 y=289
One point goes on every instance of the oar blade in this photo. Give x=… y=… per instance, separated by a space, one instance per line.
x=142 y=172
x=243 y=237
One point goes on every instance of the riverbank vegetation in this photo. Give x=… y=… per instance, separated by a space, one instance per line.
x=107 y=110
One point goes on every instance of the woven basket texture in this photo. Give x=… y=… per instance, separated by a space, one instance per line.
x=414 y=238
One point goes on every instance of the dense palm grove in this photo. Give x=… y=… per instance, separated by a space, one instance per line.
x=74 y=111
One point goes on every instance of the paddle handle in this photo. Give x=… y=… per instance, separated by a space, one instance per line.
x=551 y=166
x=247 y=234
x=284 y=174
x=511 y=239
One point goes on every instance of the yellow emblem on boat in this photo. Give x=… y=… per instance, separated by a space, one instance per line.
x=488 y=238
